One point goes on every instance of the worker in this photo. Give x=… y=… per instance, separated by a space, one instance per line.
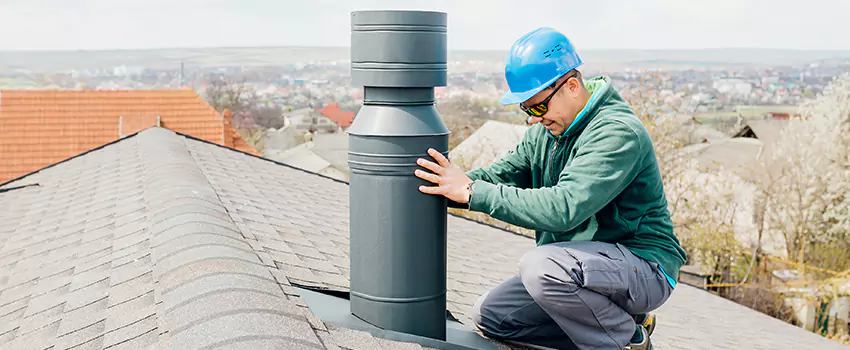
x=585 y=177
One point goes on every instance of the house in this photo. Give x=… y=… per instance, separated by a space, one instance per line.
x=768 y=131
x=333 y=148
x=43 y=127
x=489 y=143
x=306 y=120
x=338 y=116
x=304 y=156
x=161 y=240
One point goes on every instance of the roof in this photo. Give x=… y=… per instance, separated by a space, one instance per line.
x=768 y=131
x=163 y=239
x=332 y=147
x=332 y=112
x=488 y=144
x=42 y=127
x=738 y=155
x=303 y=156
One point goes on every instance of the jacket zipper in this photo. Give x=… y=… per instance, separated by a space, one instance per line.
x=551 y=160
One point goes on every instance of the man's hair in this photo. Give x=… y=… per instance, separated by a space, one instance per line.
x=577 y=74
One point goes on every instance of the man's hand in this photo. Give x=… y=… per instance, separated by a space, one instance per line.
x=450 y=179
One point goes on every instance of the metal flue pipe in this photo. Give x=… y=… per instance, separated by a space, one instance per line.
x=398 y=234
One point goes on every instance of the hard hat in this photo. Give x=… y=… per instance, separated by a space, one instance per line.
x=537 y=60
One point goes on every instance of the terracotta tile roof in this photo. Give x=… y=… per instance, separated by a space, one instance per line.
x=338 y=116
x=39 y=128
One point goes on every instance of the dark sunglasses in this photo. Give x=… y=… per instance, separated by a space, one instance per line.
x=541 y=108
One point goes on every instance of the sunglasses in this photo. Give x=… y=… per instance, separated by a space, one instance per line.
x=541 y=108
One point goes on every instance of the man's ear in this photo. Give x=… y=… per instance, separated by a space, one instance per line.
x=574 y=87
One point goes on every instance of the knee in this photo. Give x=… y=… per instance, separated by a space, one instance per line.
x=476 y=312
x=541 y=273
x=482 y=318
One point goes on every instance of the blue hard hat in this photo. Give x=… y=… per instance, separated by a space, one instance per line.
x=537 y=60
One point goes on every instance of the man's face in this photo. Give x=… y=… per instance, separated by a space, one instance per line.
x=562 y=107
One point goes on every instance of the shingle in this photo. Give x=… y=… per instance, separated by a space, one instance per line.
x=38 y=340
x=308 y=251
x=126 y=314
x=97 y=234
x=138 y=335
x=235 y=300
x=127 y=272
x=320 y=265
x=190 y=272
x=52 y=276
x=133 y=289
x=89 y=337
x=277 y=245
x=189 y=240
x=295 y=334
x=212 y=283
x=10 y=313
x=93 y=275
x=91 y=261
x=289 y=259
x=46 y=301
x=82 y=317
x=17 y=292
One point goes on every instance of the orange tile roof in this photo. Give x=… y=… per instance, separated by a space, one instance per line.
x=332 y=112
x=39 y=128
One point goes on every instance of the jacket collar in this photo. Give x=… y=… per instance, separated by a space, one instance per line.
x=600 y=89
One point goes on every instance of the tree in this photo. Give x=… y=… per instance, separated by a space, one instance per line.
x=224 y=93
x=809 y=203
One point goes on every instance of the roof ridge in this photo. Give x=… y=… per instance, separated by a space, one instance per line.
x=209 y=284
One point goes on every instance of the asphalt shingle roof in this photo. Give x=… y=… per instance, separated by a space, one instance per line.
x=164 y=241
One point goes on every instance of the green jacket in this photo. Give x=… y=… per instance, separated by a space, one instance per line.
x=599 y=181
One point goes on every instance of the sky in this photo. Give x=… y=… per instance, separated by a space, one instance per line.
x=473 y=25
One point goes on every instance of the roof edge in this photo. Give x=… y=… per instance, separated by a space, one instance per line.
x=70 y=158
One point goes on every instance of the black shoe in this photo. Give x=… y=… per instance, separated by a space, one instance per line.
x=640 y=341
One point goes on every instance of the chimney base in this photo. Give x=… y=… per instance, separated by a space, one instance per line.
x=334 y=310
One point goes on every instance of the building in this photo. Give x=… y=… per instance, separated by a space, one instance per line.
x=43 y=127
x=307 y=120
x=489 y=143
x=165 y=241
x=338 y=116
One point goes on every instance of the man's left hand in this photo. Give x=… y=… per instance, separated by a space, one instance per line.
x=450 y=179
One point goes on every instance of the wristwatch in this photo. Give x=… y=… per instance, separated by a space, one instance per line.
x=469 y=189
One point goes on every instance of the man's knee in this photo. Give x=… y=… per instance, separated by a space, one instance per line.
x=482 y=318
x=541 y=272
x=476 y=314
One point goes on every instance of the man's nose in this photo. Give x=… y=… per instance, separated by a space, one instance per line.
x=533 y=120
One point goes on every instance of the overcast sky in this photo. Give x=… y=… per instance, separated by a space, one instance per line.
x=479 y=24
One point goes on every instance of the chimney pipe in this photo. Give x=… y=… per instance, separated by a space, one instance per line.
x=398 y=234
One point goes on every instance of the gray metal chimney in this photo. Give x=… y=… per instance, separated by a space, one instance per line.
x=398 y=234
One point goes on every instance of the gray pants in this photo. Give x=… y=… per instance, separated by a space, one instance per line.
x=573 y=295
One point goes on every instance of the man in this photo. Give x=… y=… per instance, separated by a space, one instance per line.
x=586 y=179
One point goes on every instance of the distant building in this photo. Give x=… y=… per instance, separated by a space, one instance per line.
x=338 y=116
x=307 y=120
x=42 y=127
x=489 y=143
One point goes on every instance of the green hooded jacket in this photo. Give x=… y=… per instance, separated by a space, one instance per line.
x=598 y=181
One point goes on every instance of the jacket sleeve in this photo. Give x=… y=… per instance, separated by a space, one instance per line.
x=514 y=169
x=603 y=166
